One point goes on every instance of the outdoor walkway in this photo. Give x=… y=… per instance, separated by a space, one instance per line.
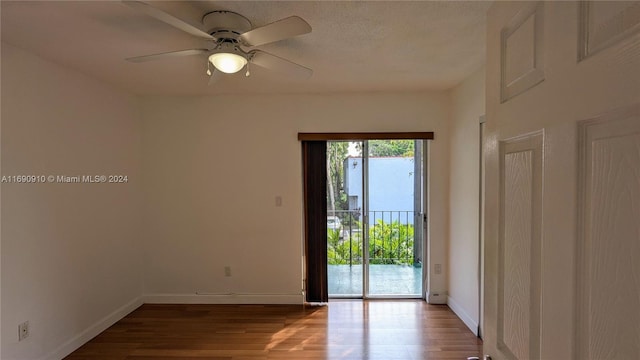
x=346 y=281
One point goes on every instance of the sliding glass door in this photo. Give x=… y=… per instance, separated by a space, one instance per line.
x=375 y=218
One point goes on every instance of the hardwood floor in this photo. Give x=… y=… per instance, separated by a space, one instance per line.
x=386 y=330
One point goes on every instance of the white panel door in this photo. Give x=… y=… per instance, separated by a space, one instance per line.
x=562 y=181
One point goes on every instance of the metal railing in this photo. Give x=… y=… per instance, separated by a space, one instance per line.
x=391 y=236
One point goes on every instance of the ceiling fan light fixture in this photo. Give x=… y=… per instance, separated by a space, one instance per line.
x=227 y=62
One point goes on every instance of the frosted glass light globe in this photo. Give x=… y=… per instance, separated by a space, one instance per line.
x=227 y=62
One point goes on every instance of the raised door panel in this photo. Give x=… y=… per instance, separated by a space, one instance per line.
x=522 y=52
x=609 y=238
x=603 y=24
x=519 y=246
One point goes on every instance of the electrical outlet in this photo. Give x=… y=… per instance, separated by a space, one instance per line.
x=227 y=271
x=23 y=331
x=438 y=269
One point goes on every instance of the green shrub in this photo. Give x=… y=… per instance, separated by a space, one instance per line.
x=388 y=244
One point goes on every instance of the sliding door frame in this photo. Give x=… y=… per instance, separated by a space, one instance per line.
x=321 y=278
x=365 y=219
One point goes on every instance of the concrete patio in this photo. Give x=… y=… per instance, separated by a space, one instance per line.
x=399 y=280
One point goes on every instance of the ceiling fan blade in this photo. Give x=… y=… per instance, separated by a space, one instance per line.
x=279 y=64
x=279 y=30
x=166 y=55
x=169 y=19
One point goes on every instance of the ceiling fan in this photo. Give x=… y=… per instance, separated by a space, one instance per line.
x=229 y=32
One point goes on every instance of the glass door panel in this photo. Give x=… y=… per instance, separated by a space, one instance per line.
x=345 y=242
x=394 y=205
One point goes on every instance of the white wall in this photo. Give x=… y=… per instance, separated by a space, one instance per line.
x=70 y=252
x=214 y=165
x=463 y=253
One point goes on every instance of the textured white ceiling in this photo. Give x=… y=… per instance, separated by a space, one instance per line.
x=354 y=45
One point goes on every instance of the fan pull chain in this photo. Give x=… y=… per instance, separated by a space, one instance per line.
x=208 y=68
x=248 y=72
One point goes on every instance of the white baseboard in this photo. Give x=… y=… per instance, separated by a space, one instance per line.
x=466 y=319
x=93 y=330
x=296 y=299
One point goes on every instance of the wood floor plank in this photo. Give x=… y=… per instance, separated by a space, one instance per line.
x=342 y=330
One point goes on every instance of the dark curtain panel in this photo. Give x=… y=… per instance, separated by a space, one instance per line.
x=315 y=217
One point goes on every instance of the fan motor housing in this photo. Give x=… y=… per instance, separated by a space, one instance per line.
x=226 y=24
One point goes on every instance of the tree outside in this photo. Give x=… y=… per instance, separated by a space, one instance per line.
x=389 y=148
x=337 y=151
